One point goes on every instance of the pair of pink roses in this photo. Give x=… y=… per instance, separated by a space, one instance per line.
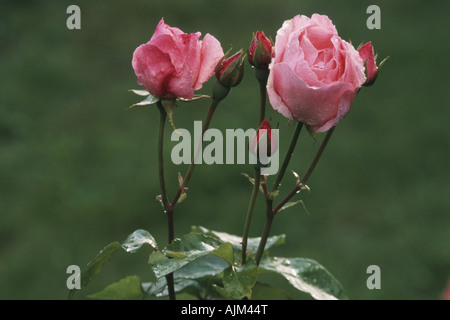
x=314 y=75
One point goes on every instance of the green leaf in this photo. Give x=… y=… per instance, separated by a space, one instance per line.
x=252 y=244
x=206 y=266
x=189 y=248
x=155 y=289
x=127 y=288
x=238 y=282
x=226 y=252
x=159 y=288
x=156 y=257
x=95 y=266
x=137 y=239
x=182 y=197
x=293 y=203
x=194 y=278
x=305 y=275
x=252 y=181
x=263 y=291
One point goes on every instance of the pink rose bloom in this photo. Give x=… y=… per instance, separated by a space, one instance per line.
x=314 y=75
x=175 y=64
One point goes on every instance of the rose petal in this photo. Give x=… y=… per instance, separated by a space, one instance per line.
x=320 y=107
x=153 y=68
x=324 y=22
x=309 y=51
x=286 y=33
x=164 y=29
x=274 y=98
x=211 y=53
x=320 y=37
x=354 y=66
x=303 y=70
x=182 y=85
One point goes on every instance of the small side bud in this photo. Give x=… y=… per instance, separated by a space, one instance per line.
x=260 y=51
x=366 y=53
x=262 y=145
x=229 y=72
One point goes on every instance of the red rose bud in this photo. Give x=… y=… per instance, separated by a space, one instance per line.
x=366 y=53
x=229 y=72
x=263 y=135
x=260 y=51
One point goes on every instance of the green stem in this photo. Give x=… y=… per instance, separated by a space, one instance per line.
x=287 y=198
x=191 y=168
x=266 y=231
x=317 y=156
x=262 y=74
x=288 y=156
x=162 y=184
x=250 y=209
x=263 y=98
x=271 y=212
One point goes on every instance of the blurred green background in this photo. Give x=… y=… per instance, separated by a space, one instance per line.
x=78 y=169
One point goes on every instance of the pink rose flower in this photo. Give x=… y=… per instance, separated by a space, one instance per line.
x=175 y=64
x=314 y=75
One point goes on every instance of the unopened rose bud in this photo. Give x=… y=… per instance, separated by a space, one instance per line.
x=263 y=144
x=366 y=53
x=260 y=51
x=229 y=72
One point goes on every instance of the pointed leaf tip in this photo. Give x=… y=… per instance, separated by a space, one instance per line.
x=137 y=239
x=147 y=101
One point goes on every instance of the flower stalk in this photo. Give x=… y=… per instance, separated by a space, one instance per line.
x=187 y=177
x=270 y=211
x=162 y=184
x=164 y=200
x=288 y=156
x=261 y=75
x=251 y=206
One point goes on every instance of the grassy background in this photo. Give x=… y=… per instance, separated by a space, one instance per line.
x=78 y=170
